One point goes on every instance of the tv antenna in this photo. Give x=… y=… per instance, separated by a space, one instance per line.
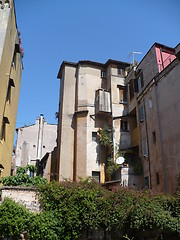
x=132 y=53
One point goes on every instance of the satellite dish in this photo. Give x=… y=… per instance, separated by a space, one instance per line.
x=120 y=160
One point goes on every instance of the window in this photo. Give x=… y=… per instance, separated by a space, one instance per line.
x=157 y=179
x=14 y=60
x=121 y=71
x=124 y=125
x=154 y=137
x=103 y=74
x=140 y=81
x=10 y=85
x=146 y=182
x=144 y=148
x=3 y=128
x=96 y=175
x=94 y=136
x=141 y=113
x=131 y=89
x=122 y=94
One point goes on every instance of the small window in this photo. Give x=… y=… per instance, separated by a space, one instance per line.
x=131 y=89
x=10 y=85
x=124 y=125
x=157 y=179
x=144 y=148
x=123 y=95
x=96 y=175
x=34 y=146
x=94 y=136
x=3 y=128
x=146 y=182
x=121 y=71
x=103 y=74
x=154 y=137
x=141 y=113
x=14 y=60
x=43 y=146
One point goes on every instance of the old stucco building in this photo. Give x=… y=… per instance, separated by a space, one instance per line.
x=92 y=96
x=142 y=109
x=10 y=82
x=154 y=116
x=34 y=142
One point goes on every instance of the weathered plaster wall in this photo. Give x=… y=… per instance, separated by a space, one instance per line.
x=8 y=108
x=66 y=126
x=27 y=142
x=26 y=196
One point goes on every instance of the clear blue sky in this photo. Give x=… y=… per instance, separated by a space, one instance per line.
x=73 y=30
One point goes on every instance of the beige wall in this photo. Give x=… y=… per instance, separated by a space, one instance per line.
x=26 y=196
x=80 y=154
x=66 y=124
x=9 y=108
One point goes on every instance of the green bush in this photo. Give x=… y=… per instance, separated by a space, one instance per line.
x=70 y=208
x=23 y=179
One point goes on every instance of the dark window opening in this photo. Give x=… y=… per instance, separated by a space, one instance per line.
x=103 y=74
x=124 y=125
x=157 y=179
x=131 y=89
x=146 y=182
x=96 y=175
x=94 y=136
x=121 y=71
x=10 y=85
x=3 y=128
x=136 y=85
x=154 y=137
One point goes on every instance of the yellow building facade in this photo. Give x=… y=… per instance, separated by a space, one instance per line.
x=10 y=82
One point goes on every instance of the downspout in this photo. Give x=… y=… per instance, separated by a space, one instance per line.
x=161 y=144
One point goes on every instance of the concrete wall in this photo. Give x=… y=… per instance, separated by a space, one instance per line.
x=8 y=69
x=27 y=196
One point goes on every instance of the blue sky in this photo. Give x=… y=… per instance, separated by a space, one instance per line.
x=73 y=30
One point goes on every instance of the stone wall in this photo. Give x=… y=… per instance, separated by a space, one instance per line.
x=26 y=196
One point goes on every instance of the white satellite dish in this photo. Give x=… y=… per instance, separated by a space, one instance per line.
x=120 y=160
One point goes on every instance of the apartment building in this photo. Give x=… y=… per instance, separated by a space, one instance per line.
x=10 y=82
x=92 y=97
x=154 y=116
x=34 y=142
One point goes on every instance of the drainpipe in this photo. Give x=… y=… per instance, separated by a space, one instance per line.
x=40 y=137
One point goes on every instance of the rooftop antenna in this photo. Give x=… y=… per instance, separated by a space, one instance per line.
x=132 y=53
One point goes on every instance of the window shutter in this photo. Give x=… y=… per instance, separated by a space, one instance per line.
x=144 y=148
x=141 y=113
